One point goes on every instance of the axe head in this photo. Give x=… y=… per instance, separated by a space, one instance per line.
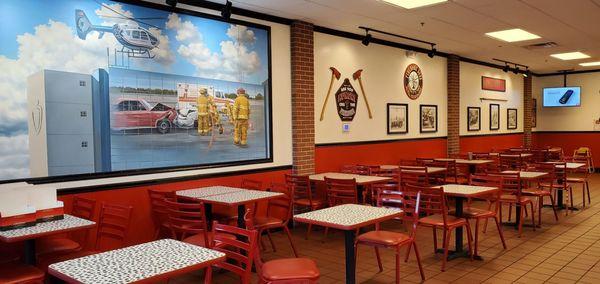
x=335 y=73
x=357 y=74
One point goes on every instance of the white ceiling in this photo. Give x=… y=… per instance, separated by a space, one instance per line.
x=458 y=26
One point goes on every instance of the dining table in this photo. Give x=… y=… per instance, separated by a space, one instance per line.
x=460 y=193
x=28 y=235
x=144 y=263
x=472 y=164
x=348 y=218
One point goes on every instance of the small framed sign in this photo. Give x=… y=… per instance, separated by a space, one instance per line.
x=397 y=118
x=511 y=118
x=493 y=84
x=494 y=116
x=473 y=118
x=429 y=116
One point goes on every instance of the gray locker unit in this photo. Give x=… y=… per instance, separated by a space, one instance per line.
x=61 y=124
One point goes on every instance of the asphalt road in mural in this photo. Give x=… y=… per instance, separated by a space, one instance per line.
x=61 y=46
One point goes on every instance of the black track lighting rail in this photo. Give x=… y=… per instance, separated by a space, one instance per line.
x=396 y=35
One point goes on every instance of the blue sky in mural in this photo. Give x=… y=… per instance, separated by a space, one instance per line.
x=38 y=35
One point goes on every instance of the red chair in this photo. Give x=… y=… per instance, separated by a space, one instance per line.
x=512 y=188
x=187 y=223
x=485 y=214
x=414 y=175
x=433 y=205
x=543 y=189
x=16 y=273
x=282 y=205
x=407 y=201
x=83 y=208
x=158 y=210
x=283 y=270
x=582 y=178
x=239 y=251
x=560 y=182
x=394 y=183
x=113 y=227
x=340 y=191
x=303 y=196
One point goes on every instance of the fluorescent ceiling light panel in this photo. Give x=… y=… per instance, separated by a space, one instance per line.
x=570 y=55
x=513 y=35
x=587 y=64
x=410 y=4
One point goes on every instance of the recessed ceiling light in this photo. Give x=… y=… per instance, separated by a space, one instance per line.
x=410 y=4
x=570 y=55
x=587 y=64
x=513 y=35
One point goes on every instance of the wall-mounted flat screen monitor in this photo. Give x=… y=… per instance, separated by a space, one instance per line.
x=562 y=97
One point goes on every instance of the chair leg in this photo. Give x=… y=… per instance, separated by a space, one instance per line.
x=583 y=194
x=532 y=216
x=571 y=199
x=521 y=218
x=554 y=207
x=540 y=205
x=271 y=240
x=435 y=244
x=587 y=186
x=208 y=275
x=476 y=234
x=378 y=256
x=397 y=268
x=326 y=233
x=509 y=212
x=308 y=231
x=500 y=232
x=470 y=240
x=447 y=235
x=414 y=244
x=289 y=235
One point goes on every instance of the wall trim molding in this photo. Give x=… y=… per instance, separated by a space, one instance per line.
x=354 y=143
x=492 y=134
x=568 y=132
x=125 y=185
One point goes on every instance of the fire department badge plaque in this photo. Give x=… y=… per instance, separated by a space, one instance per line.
x=346 y=99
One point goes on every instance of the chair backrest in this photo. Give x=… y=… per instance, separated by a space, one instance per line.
x=251 y=184
x=414 y=175
x=511 y=183
x=281 y=205
x=157 y=205
x=84 y=208
x=300 y=187
x=583 y=160
x=406 y=162
x=424 y=161
x=432 y=200
x=240 y=252
x=512 y=161
x=341 y=191
x=397 y=199
x=113 y=223
x=186 y=219
x=488 y=180
x=481 y=156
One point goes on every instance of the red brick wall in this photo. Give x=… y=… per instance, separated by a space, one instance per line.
x=303 y=121
x=453 y=104
x=527 y=103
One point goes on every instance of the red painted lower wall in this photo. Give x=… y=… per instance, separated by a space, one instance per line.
x=332 y=157
x=488 y=143
x=142 y=229
x=570 y=141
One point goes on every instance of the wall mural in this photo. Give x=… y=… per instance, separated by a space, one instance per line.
x=101 y=86
x=346 y=97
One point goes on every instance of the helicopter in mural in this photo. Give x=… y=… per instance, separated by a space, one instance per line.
x=136 y=41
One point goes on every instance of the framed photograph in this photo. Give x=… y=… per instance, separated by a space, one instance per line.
x=534 y=113
x=493 y=84
x=473 y=118
x=429 y=115
x=494 y=116
x=511 y=118
x=397 y=118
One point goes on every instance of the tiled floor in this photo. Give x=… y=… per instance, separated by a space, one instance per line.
x=563 y=252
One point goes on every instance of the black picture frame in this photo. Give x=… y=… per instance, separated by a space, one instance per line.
x=494 y=125
x=478 y=109
x=508 y=114
x=406 y=124
x=423 y=129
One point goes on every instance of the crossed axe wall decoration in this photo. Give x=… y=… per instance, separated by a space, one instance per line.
x=335 y=75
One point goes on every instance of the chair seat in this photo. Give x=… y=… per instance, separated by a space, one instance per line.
x=385 y=238
x=56 y=245
x=198 y=239
x=290 y=269
x=20 y=273
x=513 y=199
x=473 y=213
x=45 y=260
x=437 y=220
x=554 y=185
x=536 y=192
x=576 y=180
x=315 y=203
x=266 y=222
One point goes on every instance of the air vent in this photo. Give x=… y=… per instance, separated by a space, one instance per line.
x=542 y=45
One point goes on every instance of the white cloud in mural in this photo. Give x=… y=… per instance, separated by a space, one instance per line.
x=15 y=157
x=114 y=14
x=234 y=62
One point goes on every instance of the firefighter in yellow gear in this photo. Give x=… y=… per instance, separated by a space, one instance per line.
x=229 y=111
x=203 y=112
x=215 y=117
x=241 y=115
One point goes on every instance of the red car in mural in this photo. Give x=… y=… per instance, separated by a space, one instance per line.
x=138 y=113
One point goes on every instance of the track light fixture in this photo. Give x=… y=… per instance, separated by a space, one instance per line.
x=516 y=69
x=171 y=3
x=506 y=68
x=368 y=37
x=226 y=12
x=527 y=73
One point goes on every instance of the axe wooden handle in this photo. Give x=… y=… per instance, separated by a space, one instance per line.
x=365 y=96
x=327 y=97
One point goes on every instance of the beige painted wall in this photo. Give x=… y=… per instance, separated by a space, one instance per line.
x=569 y=118
x=471 y=92
x=383 y=81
